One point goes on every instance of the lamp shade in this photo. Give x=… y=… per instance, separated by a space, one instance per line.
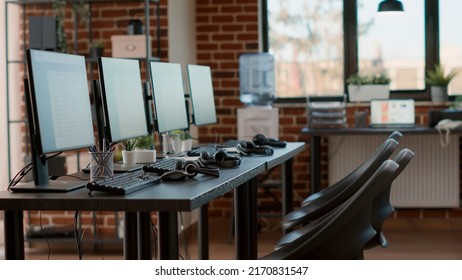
x=390 y=6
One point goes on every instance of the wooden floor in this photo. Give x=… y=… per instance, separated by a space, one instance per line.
x=416 y=239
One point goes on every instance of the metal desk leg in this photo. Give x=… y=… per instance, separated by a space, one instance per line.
x=245 y=207
x=253 y=220
x=14 y=235
x=130 y=236
x=287 y=188
x=168 y=235
x=203 y=233
x=144 y=236
x=315 y=168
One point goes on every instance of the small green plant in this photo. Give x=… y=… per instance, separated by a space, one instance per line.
x=184 y=135
x=357 y=79
x=143 y=142
x=436 y=76
x=457 y=104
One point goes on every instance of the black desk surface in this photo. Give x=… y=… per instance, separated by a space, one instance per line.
x=166 y=196
x=280 y=154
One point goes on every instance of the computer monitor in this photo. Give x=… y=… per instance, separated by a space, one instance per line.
x=122 y=99
x=201 y=94
x=168 y=95
x=59 y=114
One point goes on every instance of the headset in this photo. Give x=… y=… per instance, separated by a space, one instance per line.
x=185 y=169
x=261 y=139
x=247 y=148
x=220 y=159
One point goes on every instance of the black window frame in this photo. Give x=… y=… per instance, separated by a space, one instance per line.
x=350 y=23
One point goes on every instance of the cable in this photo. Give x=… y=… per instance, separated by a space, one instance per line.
x=185 y=238
x=77 y=235
x=334 y=152
x=154 y=233
x=20 y=175
x=23 y=172
x=44 y=235
x=54 y=177
x=97 y=232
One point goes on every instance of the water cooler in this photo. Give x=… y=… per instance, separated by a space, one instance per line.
x=257 y=92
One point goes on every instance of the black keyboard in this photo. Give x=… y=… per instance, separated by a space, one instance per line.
x=124 y=183
x=161 y=166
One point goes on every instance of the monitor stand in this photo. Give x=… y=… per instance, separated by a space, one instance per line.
x=42 y=183
x=52 y=186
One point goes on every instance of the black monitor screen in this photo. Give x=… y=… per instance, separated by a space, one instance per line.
x=123 y=101
x=169 y=99
x=60 y=101
x=202 y=98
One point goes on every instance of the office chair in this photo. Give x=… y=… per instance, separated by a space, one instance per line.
x=343 y=232
x=324 y=201
x=381 y=207
x=375 y=160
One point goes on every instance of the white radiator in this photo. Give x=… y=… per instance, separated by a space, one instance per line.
x=431 y=180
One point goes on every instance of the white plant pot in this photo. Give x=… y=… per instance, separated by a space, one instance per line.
x=186 y=145
x=145 y=156
x=365 y=93
x=128 y=157
x=175 y=142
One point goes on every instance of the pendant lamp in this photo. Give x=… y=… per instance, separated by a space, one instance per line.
x=390 y=6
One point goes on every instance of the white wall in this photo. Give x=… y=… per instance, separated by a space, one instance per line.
x=15 y=99
x=182 y=38
x=182 y=31
x=182 y=49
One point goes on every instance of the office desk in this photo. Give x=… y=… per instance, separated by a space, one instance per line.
x=317 y=133
x=167 y=198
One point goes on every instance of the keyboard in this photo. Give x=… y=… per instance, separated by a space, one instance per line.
x=124 y=183
x=161 y=166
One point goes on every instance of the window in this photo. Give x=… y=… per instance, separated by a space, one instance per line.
x=319 y=43
x=393 y=44
x=450 y=12
x=306 y=39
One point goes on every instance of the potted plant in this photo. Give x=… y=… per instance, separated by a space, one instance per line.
x=138 y=150
x=96 y=49
x=438 y=82
x=180 y=140
x=367 y=87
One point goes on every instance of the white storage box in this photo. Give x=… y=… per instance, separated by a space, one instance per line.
x=131 y=46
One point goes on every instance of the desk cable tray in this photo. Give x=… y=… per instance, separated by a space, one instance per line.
x=326 y=111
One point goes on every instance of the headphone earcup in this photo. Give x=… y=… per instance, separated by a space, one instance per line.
x=220 y=158
x=260 y=139
x=191 y=168
x=246 y=148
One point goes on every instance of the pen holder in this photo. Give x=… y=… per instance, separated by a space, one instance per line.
x=101 y=165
